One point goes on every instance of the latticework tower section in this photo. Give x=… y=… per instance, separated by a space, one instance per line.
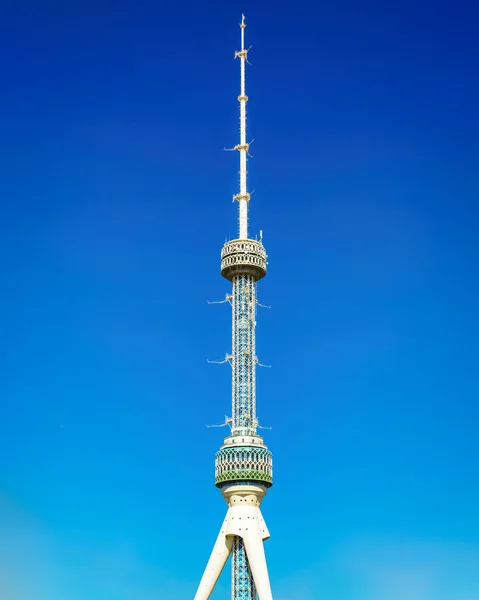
x=244 y=359
x=242 y=584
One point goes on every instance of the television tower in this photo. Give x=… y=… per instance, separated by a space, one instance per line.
x=243 y=463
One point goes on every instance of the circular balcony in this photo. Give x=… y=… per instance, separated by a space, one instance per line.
x=243 y=257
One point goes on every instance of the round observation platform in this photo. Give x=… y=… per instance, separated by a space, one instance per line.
x=253 y=464
x=243 y=257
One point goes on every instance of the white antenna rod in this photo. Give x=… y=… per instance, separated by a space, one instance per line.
x=243 y=147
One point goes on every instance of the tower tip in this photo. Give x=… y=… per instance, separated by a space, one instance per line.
x=242 y=24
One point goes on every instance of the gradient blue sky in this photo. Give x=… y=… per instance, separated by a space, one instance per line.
x=116 y=200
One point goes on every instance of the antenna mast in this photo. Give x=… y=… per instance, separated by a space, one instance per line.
x=243 y=197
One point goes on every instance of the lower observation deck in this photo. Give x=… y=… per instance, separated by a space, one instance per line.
x=243 y=257
x=245 y=460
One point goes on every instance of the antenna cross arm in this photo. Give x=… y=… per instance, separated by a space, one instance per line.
x=242 y=53
x=244 y=196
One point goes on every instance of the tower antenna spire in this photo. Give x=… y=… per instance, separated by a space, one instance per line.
x=243 y=196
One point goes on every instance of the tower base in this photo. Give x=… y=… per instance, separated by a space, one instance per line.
x=243 y=520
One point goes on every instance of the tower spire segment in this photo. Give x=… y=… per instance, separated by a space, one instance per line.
x=243 y=197
x=243 y=463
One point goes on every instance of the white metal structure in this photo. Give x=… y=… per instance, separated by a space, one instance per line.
x=243 y=147
x=244 y=469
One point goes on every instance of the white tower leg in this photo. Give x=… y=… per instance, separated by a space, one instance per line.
x=219 y=556
x=253 y=543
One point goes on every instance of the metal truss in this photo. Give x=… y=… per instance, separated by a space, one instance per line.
x=242 y=587
x=244 y=354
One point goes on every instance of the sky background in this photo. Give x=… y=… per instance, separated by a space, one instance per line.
x=116 y=200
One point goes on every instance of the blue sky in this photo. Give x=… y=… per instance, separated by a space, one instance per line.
x=116 y=200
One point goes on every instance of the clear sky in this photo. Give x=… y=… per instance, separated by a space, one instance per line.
x=116 y=200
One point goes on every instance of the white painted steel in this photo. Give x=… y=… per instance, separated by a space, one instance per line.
x=243 y=147
x=219 y=556
x=257 y=562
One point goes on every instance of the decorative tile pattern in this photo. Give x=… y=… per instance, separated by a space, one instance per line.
x=244 y=463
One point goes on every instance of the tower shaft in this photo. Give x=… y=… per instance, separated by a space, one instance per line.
x=244 y=354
